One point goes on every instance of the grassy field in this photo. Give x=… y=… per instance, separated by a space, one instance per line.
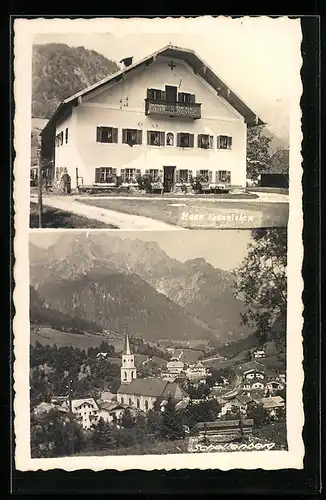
x=201 y=213
x=54 y=218
x=154 y=448
x=46 y=335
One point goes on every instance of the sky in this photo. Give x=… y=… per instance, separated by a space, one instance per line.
x=259 y=58
x=224 y=249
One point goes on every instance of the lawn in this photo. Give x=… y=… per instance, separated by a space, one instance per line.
x=151 y=448
x=55 y=218
x=199 y=213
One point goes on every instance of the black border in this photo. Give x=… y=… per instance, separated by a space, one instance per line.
x=299 y=482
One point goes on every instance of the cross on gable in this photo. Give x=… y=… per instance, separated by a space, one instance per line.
x=171 y=65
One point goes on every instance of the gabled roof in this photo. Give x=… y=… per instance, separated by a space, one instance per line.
x=154 y=387
x=199 y=67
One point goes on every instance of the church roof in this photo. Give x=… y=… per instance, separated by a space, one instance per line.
x=126 y=345
x=154 y=387
x=198 y=65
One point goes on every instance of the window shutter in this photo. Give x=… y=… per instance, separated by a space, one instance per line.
x=124 y=136
x=191 y=140
x=211 y=141
x=189 y=175
x=149 y=93
x=161 y=174
x=192 y=98
x=139 y=136
x=97 y=175
x=228 y=176
x=114 y=172
x=163 y=95
x=197 y=173
x=115 y=135
x=216 y=177
x=138 y=171
x=218 y=142
x=229 y=142
x=162 y=138
x=177 y=176
x=179 y=96
x=178 y=138
x=198 y=140
x=148 y=137
x=122 y=174
x=210 y=176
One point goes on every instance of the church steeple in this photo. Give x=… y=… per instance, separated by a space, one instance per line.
x=128 y=368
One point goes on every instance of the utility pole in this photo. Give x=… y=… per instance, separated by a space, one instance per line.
x=71 y=417
x=39 y=184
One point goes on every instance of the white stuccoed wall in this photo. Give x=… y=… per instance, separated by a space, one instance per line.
x=103 y=109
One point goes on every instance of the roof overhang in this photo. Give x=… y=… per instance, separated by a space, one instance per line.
x=197 y=64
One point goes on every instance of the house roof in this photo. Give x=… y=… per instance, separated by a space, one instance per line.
x=151 y=386
x=272 y=402
x=77 y=403
x=199 y=67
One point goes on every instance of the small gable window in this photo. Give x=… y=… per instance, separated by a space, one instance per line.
x=224 y=142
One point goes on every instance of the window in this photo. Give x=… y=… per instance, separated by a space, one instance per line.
x=205 y=141
x=185 y=140
x=154 y=173
x=224 y=176
x=105 y=175
x=132 y=136
x=155 y=138
x=204 y=174
x=59 y=139
x=129 y=401
x=169 y=139
x=186 y=97
x=155 y=94
x=138 y=403
x=146 y=404
x=224 y=142
x=183 y=176
x=66 y=135
x=122 y=400
x=107 y=134
x=124 y=375
x=129 y=174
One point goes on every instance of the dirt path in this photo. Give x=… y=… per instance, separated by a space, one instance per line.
x=119 y=219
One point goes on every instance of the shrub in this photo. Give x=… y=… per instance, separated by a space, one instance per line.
x=197 y=184
x=145 y=182
x=184 y=188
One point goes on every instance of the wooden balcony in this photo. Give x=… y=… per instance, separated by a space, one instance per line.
x=173 y=109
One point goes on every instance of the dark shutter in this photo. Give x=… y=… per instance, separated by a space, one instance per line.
x=177 y=176
x=149 y=93
x=192 y=98
x=97 y=175
x=124 y=136
x=162 y=138
x=66 y=135
x=228 y=176
x=139 y=136
x=229 y=142
x=210 y=176
x=114 y=171
x=216 y=177
x=122 y=174
x=189 y=175
x=138 y=171
x=163 y=95
x=191 y=140
x=149 y=137
x=199 y=141
x=218 y=142
x=178 y=138
x=98 y=134
x=115 y=135
x=211 y=141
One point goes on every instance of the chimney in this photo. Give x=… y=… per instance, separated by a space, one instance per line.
x=127 y=61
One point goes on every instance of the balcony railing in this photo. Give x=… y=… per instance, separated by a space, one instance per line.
x=172 y=108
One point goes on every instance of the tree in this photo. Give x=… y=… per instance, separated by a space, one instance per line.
x=258 y=154
x=261 y=283
x=172 y=425
x=55 y=434
x=206 y=411
x=127 y=420
x=258 y=413
x=104 y=435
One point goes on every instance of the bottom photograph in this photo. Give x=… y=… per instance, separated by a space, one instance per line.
x=163 y=342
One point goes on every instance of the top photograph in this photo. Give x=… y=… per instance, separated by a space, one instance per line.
x=141 y=131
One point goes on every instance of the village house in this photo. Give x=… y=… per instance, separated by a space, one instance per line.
x=259 y=353
x=168 y=115
x=253 y=384
x=196 y=372
x=253 y=373
x=110 y=411
x=141 y=393
x=272 y=404
x=86 y=411
x=274 y=386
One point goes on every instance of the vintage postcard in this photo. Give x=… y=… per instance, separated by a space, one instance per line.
x=158 y=317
